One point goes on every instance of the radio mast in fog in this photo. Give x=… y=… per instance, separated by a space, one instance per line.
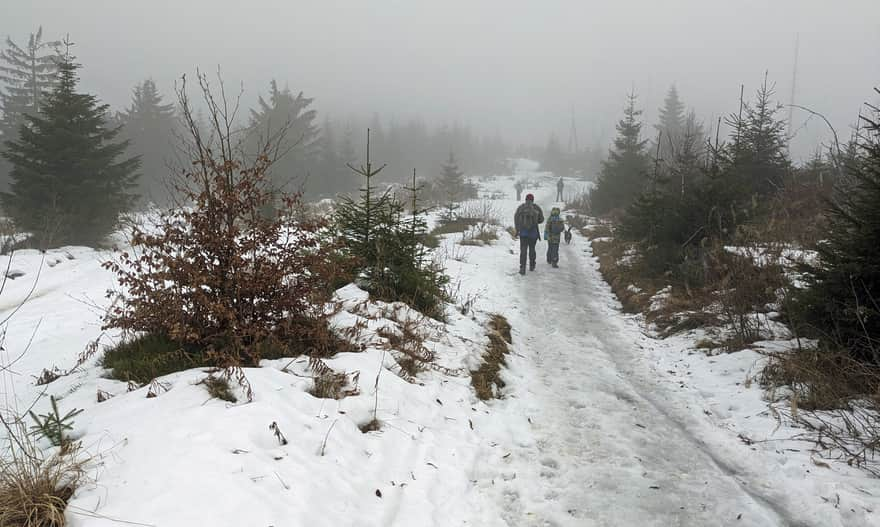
x=797 y=42
x=573 y=146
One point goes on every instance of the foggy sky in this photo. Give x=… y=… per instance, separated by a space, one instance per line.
x=508 y=66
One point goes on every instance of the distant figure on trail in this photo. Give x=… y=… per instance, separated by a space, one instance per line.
x=519 y=188
x=526 y=220
x=559 y=186
x=553 y=234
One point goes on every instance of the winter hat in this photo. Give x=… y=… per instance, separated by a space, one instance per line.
x=555 y=211
x=530 y=197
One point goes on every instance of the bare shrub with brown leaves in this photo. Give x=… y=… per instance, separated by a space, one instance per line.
x=233 y=271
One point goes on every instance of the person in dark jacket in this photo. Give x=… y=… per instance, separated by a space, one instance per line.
x=553 y=234
x=526 y=220
x=559 y=186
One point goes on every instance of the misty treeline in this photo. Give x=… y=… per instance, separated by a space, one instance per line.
x=571 y=160
x=51 y=173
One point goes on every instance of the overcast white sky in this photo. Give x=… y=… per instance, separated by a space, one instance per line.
x=513 y=66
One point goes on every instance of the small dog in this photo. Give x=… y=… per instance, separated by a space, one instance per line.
x=568 y=235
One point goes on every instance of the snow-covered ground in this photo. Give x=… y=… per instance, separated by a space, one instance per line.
x=600 y=424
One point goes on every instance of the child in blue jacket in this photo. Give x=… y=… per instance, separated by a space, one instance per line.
x=553 y=234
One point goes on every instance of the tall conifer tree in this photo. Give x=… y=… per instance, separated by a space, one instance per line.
x=27 y=74
x=841 y=303
x=287 y=114
x=148 y=125
x=68 y=184
x=624 y=173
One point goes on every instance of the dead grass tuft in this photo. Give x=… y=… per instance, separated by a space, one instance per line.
x=374 y=425
x=34 y=489
x=834 y=398
x=597 y=230
x=219 y=388
x=822 y=379
x=330 y=384
x=633 y=289
x=500 y=325
x=486 y=380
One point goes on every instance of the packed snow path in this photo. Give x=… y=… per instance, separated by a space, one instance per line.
x=588 y=444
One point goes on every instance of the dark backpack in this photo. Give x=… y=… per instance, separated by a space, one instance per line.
x=529 y=216
x=556 y=226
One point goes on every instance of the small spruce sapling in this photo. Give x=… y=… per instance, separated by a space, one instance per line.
x=52 y=425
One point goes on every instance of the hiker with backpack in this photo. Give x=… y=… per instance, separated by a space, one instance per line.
x=526 y=220
x=553 y=234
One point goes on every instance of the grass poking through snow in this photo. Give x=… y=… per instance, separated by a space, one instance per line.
x=486 y=380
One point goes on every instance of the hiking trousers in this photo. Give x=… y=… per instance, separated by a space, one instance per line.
x=527 y=248
x=553 y=253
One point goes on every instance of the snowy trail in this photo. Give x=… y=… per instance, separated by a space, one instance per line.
x=597 y=447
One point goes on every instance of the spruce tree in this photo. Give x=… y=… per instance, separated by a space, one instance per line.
x=27 y=73
x=841 y=302
x=453 y=185
x=148 y=125
x=757 y=157
x=285 y=115
x=625 y=172
x=386 y=245
x=670 y=124
x=68 y=184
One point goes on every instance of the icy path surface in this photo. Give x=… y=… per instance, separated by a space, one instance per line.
x=581 y=440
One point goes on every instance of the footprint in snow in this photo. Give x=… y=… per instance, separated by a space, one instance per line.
x=550 y=463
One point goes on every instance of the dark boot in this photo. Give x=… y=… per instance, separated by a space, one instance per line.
x=532 y=266
x=555 y=265
x=522 y=270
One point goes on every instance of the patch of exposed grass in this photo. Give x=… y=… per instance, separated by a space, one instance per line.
x=144 y=358
x=454 y=226
x=486 y=235
x=147 y=357
x=597 y=230
x=621 y=276
x=218 y=388
x=486 y=380
x=707 y=344
x=683 y=309
x=500 y=325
